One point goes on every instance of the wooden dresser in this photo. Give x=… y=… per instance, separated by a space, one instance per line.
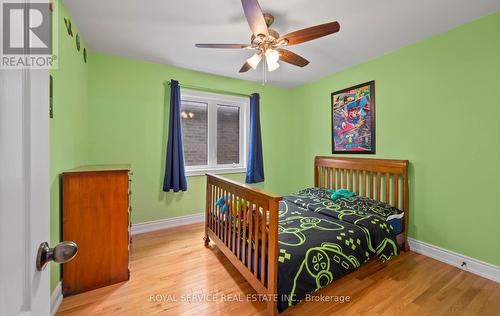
x=96 y=215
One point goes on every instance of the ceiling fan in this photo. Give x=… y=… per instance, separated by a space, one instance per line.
x=269 y=44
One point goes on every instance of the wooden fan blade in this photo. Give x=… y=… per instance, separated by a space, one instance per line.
x=246 y=67
x=221 y=45
x=292 y=58
x=311 y=33
x=254 y=16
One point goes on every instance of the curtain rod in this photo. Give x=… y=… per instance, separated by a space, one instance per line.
x=212 y=90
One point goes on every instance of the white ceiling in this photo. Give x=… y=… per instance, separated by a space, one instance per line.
x=165 y=31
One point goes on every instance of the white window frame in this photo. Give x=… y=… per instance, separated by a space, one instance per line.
x=212 y=100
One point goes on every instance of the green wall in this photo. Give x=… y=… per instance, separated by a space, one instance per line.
x=436 y=106
x=128 y=110
x=68 y=127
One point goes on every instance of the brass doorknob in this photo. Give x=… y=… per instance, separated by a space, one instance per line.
x=61 y=253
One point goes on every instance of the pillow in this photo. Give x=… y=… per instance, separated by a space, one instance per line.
x=357 y=203
x=315 y=198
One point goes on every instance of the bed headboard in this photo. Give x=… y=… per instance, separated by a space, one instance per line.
x=384 y=180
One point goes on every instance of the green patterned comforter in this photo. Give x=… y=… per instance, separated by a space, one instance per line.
x=320 y=242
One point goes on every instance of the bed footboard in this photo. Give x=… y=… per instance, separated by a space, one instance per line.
x=243 y=222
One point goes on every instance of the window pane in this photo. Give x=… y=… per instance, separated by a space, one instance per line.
x=195 y=133
x=228 y=134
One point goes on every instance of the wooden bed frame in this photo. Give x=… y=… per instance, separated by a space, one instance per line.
x=380 y=179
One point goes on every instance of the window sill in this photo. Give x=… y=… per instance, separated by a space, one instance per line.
x=202 y=172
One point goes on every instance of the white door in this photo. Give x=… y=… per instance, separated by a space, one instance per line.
x=24 y=191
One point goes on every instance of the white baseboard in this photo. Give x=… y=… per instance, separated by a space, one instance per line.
x=56 y=299
x=146 y=227
x=486 y=270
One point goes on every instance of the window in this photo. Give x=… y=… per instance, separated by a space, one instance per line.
x=214 y=132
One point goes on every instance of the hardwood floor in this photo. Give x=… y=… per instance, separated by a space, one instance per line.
x=169 y=265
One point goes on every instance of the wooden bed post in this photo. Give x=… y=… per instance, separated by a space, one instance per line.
x=406 y=246
x=272 y=281
x=206 y=239
x=316 y=173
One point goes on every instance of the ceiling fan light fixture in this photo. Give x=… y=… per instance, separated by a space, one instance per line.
x=272 y=66
x=272 y=56
x=254 y=60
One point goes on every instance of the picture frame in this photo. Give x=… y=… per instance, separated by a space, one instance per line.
x=353 y=119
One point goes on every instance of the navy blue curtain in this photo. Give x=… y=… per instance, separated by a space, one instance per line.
x=255 y=166
x=175 y=177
